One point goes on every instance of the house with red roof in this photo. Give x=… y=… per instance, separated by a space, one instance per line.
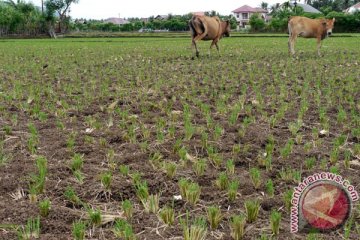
x=243 y=14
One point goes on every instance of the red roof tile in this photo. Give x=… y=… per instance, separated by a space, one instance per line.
x=248 y=9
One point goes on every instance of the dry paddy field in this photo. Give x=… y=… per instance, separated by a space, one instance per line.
x=130 y=138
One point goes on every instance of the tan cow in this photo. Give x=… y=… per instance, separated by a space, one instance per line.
x=208 y=28
x=309 y=28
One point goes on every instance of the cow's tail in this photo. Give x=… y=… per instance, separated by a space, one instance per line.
x=192 y=27
x=196 y=26
x=289 y=26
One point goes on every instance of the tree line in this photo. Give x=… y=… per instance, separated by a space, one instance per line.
x=24 y=18
x=280 y=14
x=169 y=22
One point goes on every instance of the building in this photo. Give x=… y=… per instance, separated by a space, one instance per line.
x=117 y=21
x=198 y=13
x=307 y=8
x=243 y=14
x=161 y=17
x=353 y=9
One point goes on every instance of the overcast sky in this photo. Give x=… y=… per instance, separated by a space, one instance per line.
x=101 y=9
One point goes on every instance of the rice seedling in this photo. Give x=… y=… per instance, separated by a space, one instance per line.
x=230 y=167
x=232 y=190
x=167 y=215
x=193 y=192
x=95 y=217
x=77 y=162
x=44 y=207
x=124 y=170
x=347 y=158
x=70 y=142
x=37 y=185
x=348 y=228
x=71 y=196
x=127 y=208
x=151 y=204
x=79 y=176
x=287 y=197
x=255 y=177
x=275 y=219
x=106 y=179
x=194 y=231
x=214 y=216
x=170 y=169
x=183 y=185
x=252 y=208
x=269 y=186
x=78 y=230
x=123 y=230
x=310 y=163
x=216 y=159
x=334 y=169
x=287 y=149
x=4 y=158
x=142 y=191
x=237 y=226
x=31 y=230
x=199 y=167
x=155 y=159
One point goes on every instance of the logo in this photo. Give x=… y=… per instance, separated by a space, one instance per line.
x=322 y=201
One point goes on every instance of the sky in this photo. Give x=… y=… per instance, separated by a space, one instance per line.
x=102 y=9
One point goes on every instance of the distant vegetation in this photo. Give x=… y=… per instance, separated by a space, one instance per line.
x=25 y=19
x=280 y=15
x=170 y=22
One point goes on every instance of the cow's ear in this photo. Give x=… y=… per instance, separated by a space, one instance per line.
x=333 y=19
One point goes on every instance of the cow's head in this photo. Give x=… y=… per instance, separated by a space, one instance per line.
x=329 y=25
x=227 y=28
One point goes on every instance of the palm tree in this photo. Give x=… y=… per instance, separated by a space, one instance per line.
x=12 y=3
x=264 y=5
x=274 y=8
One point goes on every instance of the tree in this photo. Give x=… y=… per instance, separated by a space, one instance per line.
x=264 y=5
x=274 y=8
x=257 y=23
x=62 y=7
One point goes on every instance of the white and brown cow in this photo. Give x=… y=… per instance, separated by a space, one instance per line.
x=309 y=28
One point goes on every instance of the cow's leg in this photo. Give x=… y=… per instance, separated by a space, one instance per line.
x=211 y=46
x=199 y=37
x=217 y=47
x=292 y=40
x=319 y=46
x=194 y=46
x=215 y=42
x=202 y=35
